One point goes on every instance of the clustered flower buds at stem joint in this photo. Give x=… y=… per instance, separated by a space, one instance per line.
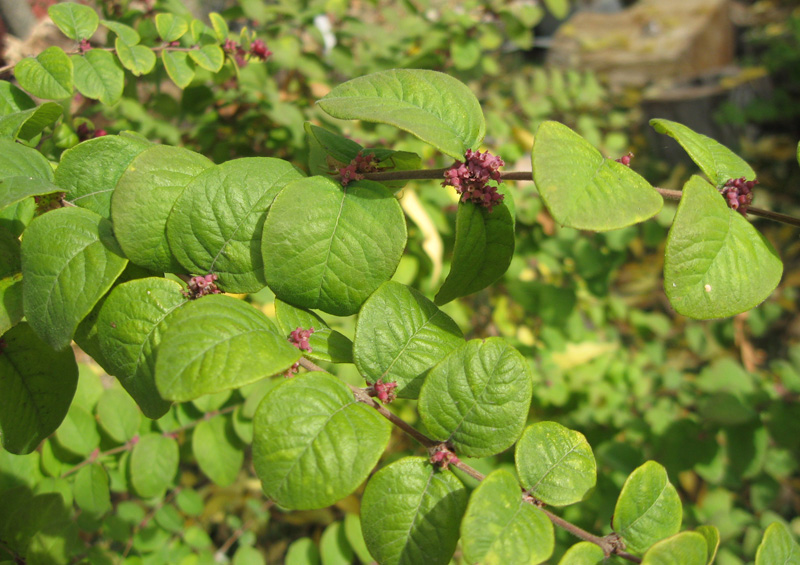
x=738 y=193
x=471 y=178
x=299 y=338
x=441 y=455
x=357 y=168
x=625 y=159
x=84 y=46
x=85 y=133
x=385 y=391
x=258 y=50
x=200 y=286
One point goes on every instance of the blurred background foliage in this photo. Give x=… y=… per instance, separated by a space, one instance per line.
x=715 y=402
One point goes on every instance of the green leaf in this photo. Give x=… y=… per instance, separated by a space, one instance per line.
x=16 y=189
x=555 y=464
x=400 y=336
x=559 y=8
x=89 y=172
x=13 y=99
x=352 y=530
x=27 y=124
x=63 y=282
x=17 y=160
x=99 y=75
x=220 y=26
x=478 y=397
x=216 y=223
x=48 y=76
x=38 y=385
x=217 y=450
x=583 y=553
x=153 y=465
x=352 y=241
x=686 y=548
x=778 y=546
x=433 y=106
x=326 y=344
x=74 y=20
x=208 y=57
x=330 y=448
x=17 y=216
x=171 y=27
x=118 y=415
x=583 y=190
x=138 y=59
x=143 y=200
x=483 y=251
x=38 y=526
x=217 y=343
x=91 y=490
x=410 y=513
x=10 y=281
x=716 y=264
x=302 y=551
x=78 y=432
x=719 y=163
x=333 y=545
x=178 y=66
x=648 y=509
x=500 y=529
x=711 y=535
x=125 y=33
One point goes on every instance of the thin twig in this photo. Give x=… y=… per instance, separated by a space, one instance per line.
x=609 y=544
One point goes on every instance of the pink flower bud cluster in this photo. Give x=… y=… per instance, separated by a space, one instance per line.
x=85 y=133
x=299 y=338
x=625 y=159
x=258 y=50
x=84 y=46
x=200 y=286
x=471 y=178
x=357 y=167
x=385 y=391
x=443 y=457
x=738 y=193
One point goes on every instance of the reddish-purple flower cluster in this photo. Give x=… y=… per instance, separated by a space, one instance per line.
x=85 y=133
x=84 y=46
x=471 y=178
x=200 y=286
x=625 y=159
x=258 y=50
x=299 y=338
x=738 y=193
x=443 y=457
x=357 y=167
x=385 y=391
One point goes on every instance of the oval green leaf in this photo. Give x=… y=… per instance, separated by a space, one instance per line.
x=91 y=490
x=27 y=124
x=483 y=251
x=433 y=106
x=500 y=529
x=138 y=59
x=76 y=21
x=48 y=76
x=716 y=264
x=400 y=336
x=98 y=75
x=711 y=535
x=143 y=199
x=89 y=172
x=327 y=247
x=719 y=163
x=778 y=546
x=10 y=280
x=329 y=449
x=78 y=433
x=583 y=190
x=153 y=465
x=17 y=160
x=555 y=464
x=171 y=27
x=686 y=548
x=217 y=450
x=410 y=513
x=62 y=283
x=118 y=415
x=16 y=189
x=179 y=67
x=38 y=385
x=208 y=57
x=124 y=32
x=216 y=223
x=583 y=553
x=326 y=344
x=130 y=328
x=13 y=99
x=478 y=397
x=648 y=508
x=217 y=343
